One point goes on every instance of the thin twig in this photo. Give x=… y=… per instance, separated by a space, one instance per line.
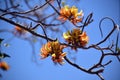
x=114 y=27
x=32 y=32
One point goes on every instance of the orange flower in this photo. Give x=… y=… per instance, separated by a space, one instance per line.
x=71 y=13
x=4 y=66
x=45 y=50
x=76 y=38
x=65 y=13
x=58 y=58
x=53 y=49
x=19 y=31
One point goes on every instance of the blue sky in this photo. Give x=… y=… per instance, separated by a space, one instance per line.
x=22 y=67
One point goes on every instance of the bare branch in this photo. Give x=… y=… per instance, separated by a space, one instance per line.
x=32 y=32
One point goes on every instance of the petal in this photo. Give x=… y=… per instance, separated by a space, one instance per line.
x=4 y=66
x=63 y=54
x=53 y=55
x=74 y=10
x=66 y=35
x=80 y=13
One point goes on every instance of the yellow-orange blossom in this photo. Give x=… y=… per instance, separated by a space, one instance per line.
x=53 y=49
x=71 y=13
x=76 y=37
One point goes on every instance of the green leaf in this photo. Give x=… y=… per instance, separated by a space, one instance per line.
x=63 y=3
x=6 y=45
x=3 y=55
x=1 y=40
x=118 y=49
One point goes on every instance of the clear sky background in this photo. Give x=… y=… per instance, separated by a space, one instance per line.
x=22 y=67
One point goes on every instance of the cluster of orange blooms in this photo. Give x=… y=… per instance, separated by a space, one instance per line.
x=71 y=13
x=19 y=31
x=4 y=65
x=76 y=37
x=53 y=49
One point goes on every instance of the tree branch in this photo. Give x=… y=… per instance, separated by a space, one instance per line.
x=32 y=32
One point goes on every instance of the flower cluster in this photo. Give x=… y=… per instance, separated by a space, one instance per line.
x=76 y=37
x=53 y=49
x=71 y=13
x=19 y=31
x=4 y=65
